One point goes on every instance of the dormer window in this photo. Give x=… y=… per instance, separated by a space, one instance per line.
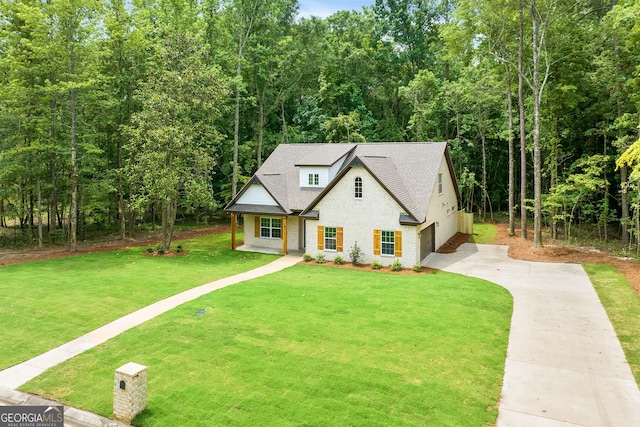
x=314 y=179
x=357 y=188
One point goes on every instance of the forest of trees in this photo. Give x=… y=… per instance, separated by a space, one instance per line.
x=116 y=113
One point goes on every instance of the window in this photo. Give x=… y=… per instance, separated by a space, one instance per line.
x=314 y=179
x=439 y=183
x=330 y=238
x=271 y=228
x=357 y=185
x=388 y=242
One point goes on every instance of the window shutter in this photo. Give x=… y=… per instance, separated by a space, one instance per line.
x=398 y=239
x=256 y=226
x=339 y=240
x=376 y=242
x=320 y=237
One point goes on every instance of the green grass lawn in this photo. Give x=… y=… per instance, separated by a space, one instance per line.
x=622 y=304
x=311 y=345
x=483 y=233
x=44 y=304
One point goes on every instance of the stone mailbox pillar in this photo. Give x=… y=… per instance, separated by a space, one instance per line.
x=129 y=391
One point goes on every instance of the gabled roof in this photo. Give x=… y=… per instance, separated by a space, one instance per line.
x=407 y=171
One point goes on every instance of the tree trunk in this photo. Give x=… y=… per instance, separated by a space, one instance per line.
x=236 y=126
x=53 y=197
x=511 y=165
x=73 y=214
x=121 y=205
x=285 y=131
x=260 y=130
x=523 y=135
x=624 y=204
x=537 y=175
x=40 y=240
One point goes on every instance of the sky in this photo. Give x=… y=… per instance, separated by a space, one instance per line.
x=324 y=8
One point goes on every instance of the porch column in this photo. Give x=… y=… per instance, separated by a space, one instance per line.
x=233 y=231
x=284 y=235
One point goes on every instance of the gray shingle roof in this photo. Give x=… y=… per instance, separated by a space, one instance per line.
x=408 y=171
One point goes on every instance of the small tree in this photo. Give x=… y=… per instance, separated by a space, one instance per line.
x=355 y=253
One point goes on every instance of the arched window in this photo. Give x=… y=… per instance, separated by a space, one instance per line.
x=358 y=188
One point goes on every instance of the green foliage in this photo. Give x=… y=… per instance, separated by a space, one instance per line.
x=170 y=157
x=320 y=258
x=396 y=265
x=581 y=192
x=344 y=128
x=338 y=260
x=631 y=158
x=149 y=81
x=307 y=257
x=416 y=267
x=356 y=253
x=376 y=265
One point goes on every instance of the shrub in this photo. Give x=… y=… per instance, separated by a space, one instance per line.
x=160 y=251
x=307 y=257
x=356 y=253
x=149 y=250
x=376 y=265
x=396 y=265
x=338 y=260
x=320 y=258
x=417 y=268
x=179 y=248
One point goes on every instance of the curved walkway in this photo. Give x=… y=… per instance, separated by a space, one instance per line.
x=565 y=365
x=20 y=374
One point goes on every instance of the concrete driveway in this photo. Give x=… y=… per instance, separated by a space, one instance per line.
x=565 y=365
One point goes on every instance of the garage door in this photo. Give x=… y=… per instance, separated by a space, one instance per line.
x=427 y=241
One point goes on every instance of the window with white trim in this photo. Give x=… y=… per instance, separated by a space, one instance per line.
x=357 y=188
x=439 y=183
x=271 y=228
x=314 y=179
x=388 y=240
x=330 y=238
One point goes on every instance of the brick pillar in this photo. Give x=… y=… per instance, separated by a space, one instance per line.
x=129 y=391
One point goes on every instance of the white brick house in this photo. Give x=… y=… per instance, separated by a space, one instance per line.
x=396 y=200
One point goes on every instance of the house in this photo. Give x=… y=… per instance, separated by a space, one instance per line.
x=396 y=200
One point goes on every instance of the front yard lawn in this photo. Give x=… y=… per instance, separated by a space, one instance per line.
x=44 y=304
x=622 y=304
x=310 y=345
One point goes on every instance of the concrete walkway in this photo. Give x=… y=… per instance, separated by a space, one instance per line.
x=18 y=375
x=565 y=365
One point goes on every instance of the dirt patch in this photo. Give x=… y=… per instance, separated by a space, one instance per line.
x=13 y=256
x=452 y=245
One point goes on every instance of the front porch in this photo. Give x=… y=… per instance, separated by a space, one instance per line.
x=272 y=234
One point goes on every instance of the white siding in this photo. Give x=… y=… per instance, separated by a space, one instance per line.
x=359 y=217
x=323 y=175
x=256 y=195
x=443 y=209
